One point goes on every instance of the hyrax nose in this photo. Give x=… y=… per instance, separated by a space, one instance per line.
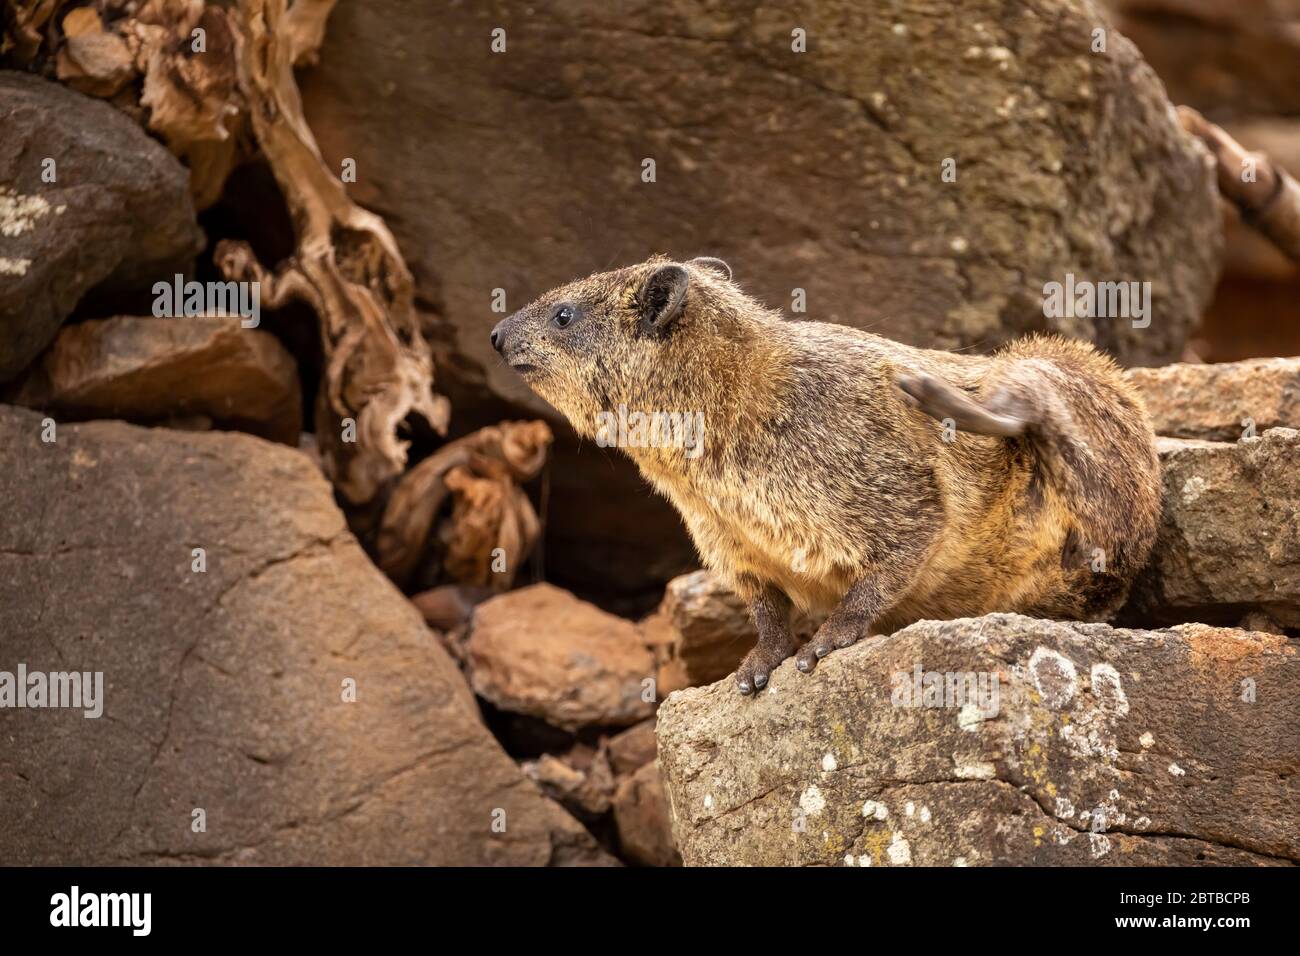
x=499 y=336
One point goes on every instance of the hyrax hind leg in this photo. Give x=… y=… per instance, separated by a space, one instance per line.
x=771 y=611
x=866 y=602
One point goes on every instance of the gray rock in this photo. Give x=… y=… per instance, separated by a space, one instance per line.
x=1230 y=532
x=151 y=370
x=119 y=211
x=1106 y=747
x=224 y=690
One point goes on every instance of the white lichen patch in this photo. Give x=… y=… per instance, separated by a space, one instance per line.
x=925 y=814
x=1054 y=677
x=14 y=267
x=1176 y=771
x=1108 y=689
x=1098 y=845
x=960 y=861
x=974 y=770
x=873 y=810
x=708 y=801
x=812 y=802
x=1147 y=740
x=829 y=764
x=970 y=717
x=909 y=808
x=1064 y=808
x=899 y=851
x=18 y=213
x=1193 y=488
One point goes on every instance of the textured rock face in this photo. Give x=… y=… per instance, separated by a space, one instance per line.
x=712 y=627
x=1100 y=747
x=224 y=690
x=540 y=651
x=1230 y=532
x=819 y=171
x=1220 y=402
x=643 y=819
x=149 y=370
x=118 y=209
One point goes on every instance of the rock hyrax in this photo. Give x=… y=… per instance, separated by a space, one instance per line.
x=854 y=476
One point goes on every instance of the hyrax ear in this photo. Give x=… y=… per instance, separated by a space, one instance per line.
x=717 y=265
x=662 y=296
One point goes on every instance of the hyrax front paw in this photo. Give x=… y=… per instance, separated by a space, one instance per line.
x=827 y=639
x=757 y=667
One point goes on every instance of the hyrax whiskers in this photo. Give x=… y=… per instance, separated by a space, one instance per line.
x=849 y=474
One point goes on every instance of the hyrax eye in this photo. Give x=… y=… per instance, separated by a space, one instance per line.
x=563 y=316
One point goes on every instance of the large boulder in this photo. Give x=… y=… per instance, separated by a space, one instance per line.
x=1229 y=536
x=1095 y=746
x=817 y=174
x=270 y=699
x=541 y=652
x=149 y=370
x=86 y=197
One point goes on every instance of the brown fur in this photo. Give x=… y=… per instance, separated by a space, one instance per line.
x=825 y=477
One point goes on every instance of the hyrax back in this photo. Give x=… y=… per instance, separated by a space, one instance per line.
x=849 y=474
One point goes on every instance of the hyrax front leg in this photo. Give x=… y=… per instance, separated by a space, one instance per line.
x=865 y=602
x=771 y=612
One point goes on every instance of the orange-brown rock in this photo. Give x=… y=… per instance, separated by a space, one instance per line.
x=542 y=652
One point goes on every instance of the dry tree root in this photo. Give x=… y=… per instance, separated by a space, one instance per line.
x=347 y=267
x=482 y=473
x=1268 y=200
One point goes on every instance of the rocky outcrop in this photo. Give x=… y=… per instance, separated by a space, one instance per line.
x=1221 y=402
x=86 y=198
x=541 y=652
x=1052 y=744
x=1229 y=538
x=158 y=370
x=818 y=175
x=268 y=696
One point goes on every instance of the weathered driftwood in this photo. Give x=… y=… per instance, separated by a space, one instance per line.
x=378 y=367
x=1268 y=198
x=481 y=473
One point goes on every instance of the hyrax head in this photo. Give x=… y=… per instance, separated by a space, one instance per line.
x=609 y=338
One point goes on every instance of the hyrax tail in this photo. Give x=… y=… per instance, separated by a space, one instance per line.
x=1027 y=402
x=1084 y=424
x=940 y=400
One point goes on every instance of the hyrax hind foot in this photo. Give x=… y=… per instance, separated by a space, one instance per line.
x=757 y=667
x=829 y=636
